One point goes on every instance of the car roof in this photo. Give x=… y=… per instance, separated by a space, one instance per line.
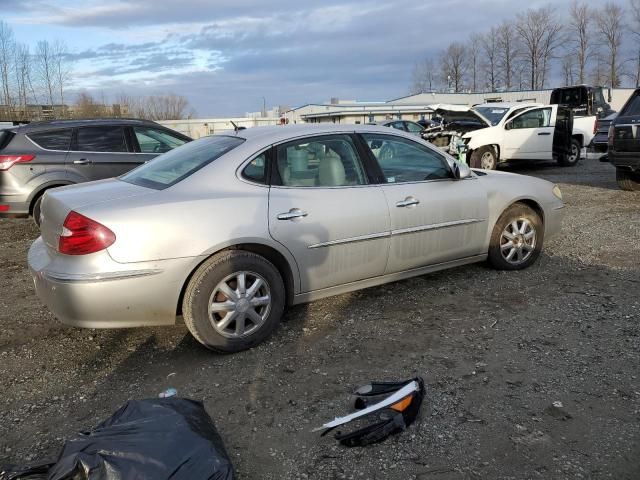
x=53 y=124
x=508 y=104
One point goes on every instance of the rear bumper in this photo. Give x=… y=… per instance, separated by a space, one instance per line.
x=111 y=296
x=18 y=206
x=628 y=161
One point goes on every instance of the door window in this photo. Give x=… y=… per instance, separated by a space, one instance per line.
x=101 y=139
x=53 y=139
x=403 y=160
x=413 y=127
x=397 y=126
x=327 y=161
x=154 y=140
x=540 y=117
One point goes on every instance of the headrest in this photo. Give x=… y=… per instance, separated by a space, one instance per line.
x=331 y=171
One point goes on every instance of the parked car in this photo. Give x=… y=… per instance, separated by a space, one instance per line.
x=530 y=133
x=588 y=106
x=403 y=125
x=624 y=144
x=229 y=229
x=43 y=155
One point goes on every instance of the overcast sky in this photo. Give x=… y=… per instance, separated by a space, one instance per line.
x=226 y=55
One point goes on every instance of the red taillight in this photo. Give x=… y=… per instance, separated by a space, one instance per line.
x=8 y=161
x=81 y=236
x=4 y=208
x=595 y=127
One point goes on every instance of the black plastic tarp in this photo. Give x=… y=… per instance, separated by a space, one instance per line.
x=167 y=438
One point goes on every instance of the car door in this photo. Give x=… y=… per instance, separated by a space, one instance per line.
x=325 y=211
x=149 y=142
x=529 y=135
x=434 y=218
x=101 y=151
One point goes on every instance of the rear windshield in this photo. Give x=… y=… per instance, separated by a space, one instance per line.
x=632 y=108
x=176 y=165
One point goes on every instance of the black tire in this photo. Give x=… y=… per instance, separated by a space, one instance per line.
x=517 y=212
x=202 y=286
x=35 y=211
x=573 y=157
x=485 y=158
x=628 y=180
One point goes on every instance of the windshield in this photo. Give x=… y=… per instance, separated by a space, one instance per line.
x=493 y=114
x=172 y=167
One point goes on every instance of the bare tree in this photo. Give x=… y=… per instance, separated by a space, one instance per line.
x=610 y=28
x=580 y=36
x=86 y=106
x=454 y=66
x=7 y=48
x=23 y=76
x=568 y=66
x=61 y=68
x=46 y=69
x=473 y=56
x=490 y=52
x=508 y=51
x=635 y=30
x=539 y=33
x=423 y=77
x=155 y=107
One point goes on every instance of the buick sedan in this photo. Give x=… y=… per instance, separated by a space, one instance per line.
x=228 y=230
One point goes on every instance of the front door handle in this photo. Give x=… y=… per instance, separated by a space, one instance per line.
x=292 y=214
x=544 y=133
x=408 y=202
x=82 y=161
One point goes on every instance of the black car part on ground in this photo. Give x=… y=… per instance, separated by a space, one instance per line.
x=167 y=438
x=396 y=408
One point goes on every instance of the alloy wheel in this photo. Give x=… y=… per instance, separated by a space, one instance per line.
x=487 y=161
x=239 y=304
x=518 y=241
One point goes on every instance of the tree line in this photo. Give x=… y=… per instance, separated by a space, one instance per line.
x=42 y=77
x=584 y=45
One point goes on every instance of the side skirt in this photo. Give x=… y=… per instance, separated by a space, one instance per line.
x=382 y=279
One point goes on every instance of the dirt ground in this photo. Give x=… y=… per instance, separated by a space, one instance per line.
x=496 y=349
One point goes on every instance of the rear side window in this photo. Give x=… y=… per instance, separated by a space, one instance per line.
x=100 y=139
x=52 y=139
x=155 y=140
x=5 y=138
x=172 y=167
x=632 y=108
x=256 y=171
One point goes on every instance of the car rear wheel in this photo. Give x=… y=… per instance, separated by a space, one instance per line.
x=35 y=211
x=573 y=157
x=628 y=180
x=234 y=301
x=517 y=238
x=485 y=158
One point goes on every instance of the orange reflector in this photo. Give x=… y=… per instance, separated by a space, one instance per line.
x=402 y=404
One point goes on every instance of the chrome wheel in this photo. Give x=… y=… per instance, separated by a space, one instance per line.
x=487 y=161
x=239 y=304
x=575 y=153
x=518 y=241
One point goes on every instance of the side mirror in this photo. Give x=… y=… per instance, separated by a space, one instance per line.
x=461 y=170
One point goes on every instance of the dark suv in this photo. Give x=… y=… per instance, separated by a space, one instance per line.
x=624 y=144
x=43 y=155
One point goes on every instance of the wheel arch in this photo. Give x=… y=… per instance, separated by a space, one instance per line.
x=281 y=263
x=38 y=192
x=580 y=138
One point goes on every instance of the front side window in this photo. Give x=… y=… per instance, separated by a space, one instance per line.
x=403 y=160
x=414 y=127
x=100 y=139
x=155 y=140
x=327 y=161
x=171 y=167
x=538 y=118
x=52 y=139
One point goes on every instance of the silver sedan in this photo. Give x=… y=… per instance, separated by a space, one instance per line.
x=228 y=230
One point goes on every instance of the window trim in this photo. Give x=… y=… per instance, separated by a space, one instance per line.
x=47 y=131
x=383 y=178
x=275 y=180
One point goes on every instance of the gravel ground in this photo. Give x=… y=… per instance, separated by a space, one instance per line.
x=496 y=349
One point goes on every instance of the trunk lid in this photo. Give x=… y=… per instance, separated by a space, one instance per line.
x=57 y=203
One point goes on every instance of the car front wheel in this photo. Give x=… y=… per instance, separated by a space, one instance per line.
x=517 y=238
x=485 y=158
x=234 y=301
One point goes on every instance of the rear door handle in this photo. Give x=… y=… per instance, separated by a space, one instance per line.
x=292 y=214
x=82 y=161
x=544 y=133
x=408 y=202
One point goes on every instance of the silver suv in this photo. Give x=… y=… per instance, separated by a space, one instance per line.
x=44 y=155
